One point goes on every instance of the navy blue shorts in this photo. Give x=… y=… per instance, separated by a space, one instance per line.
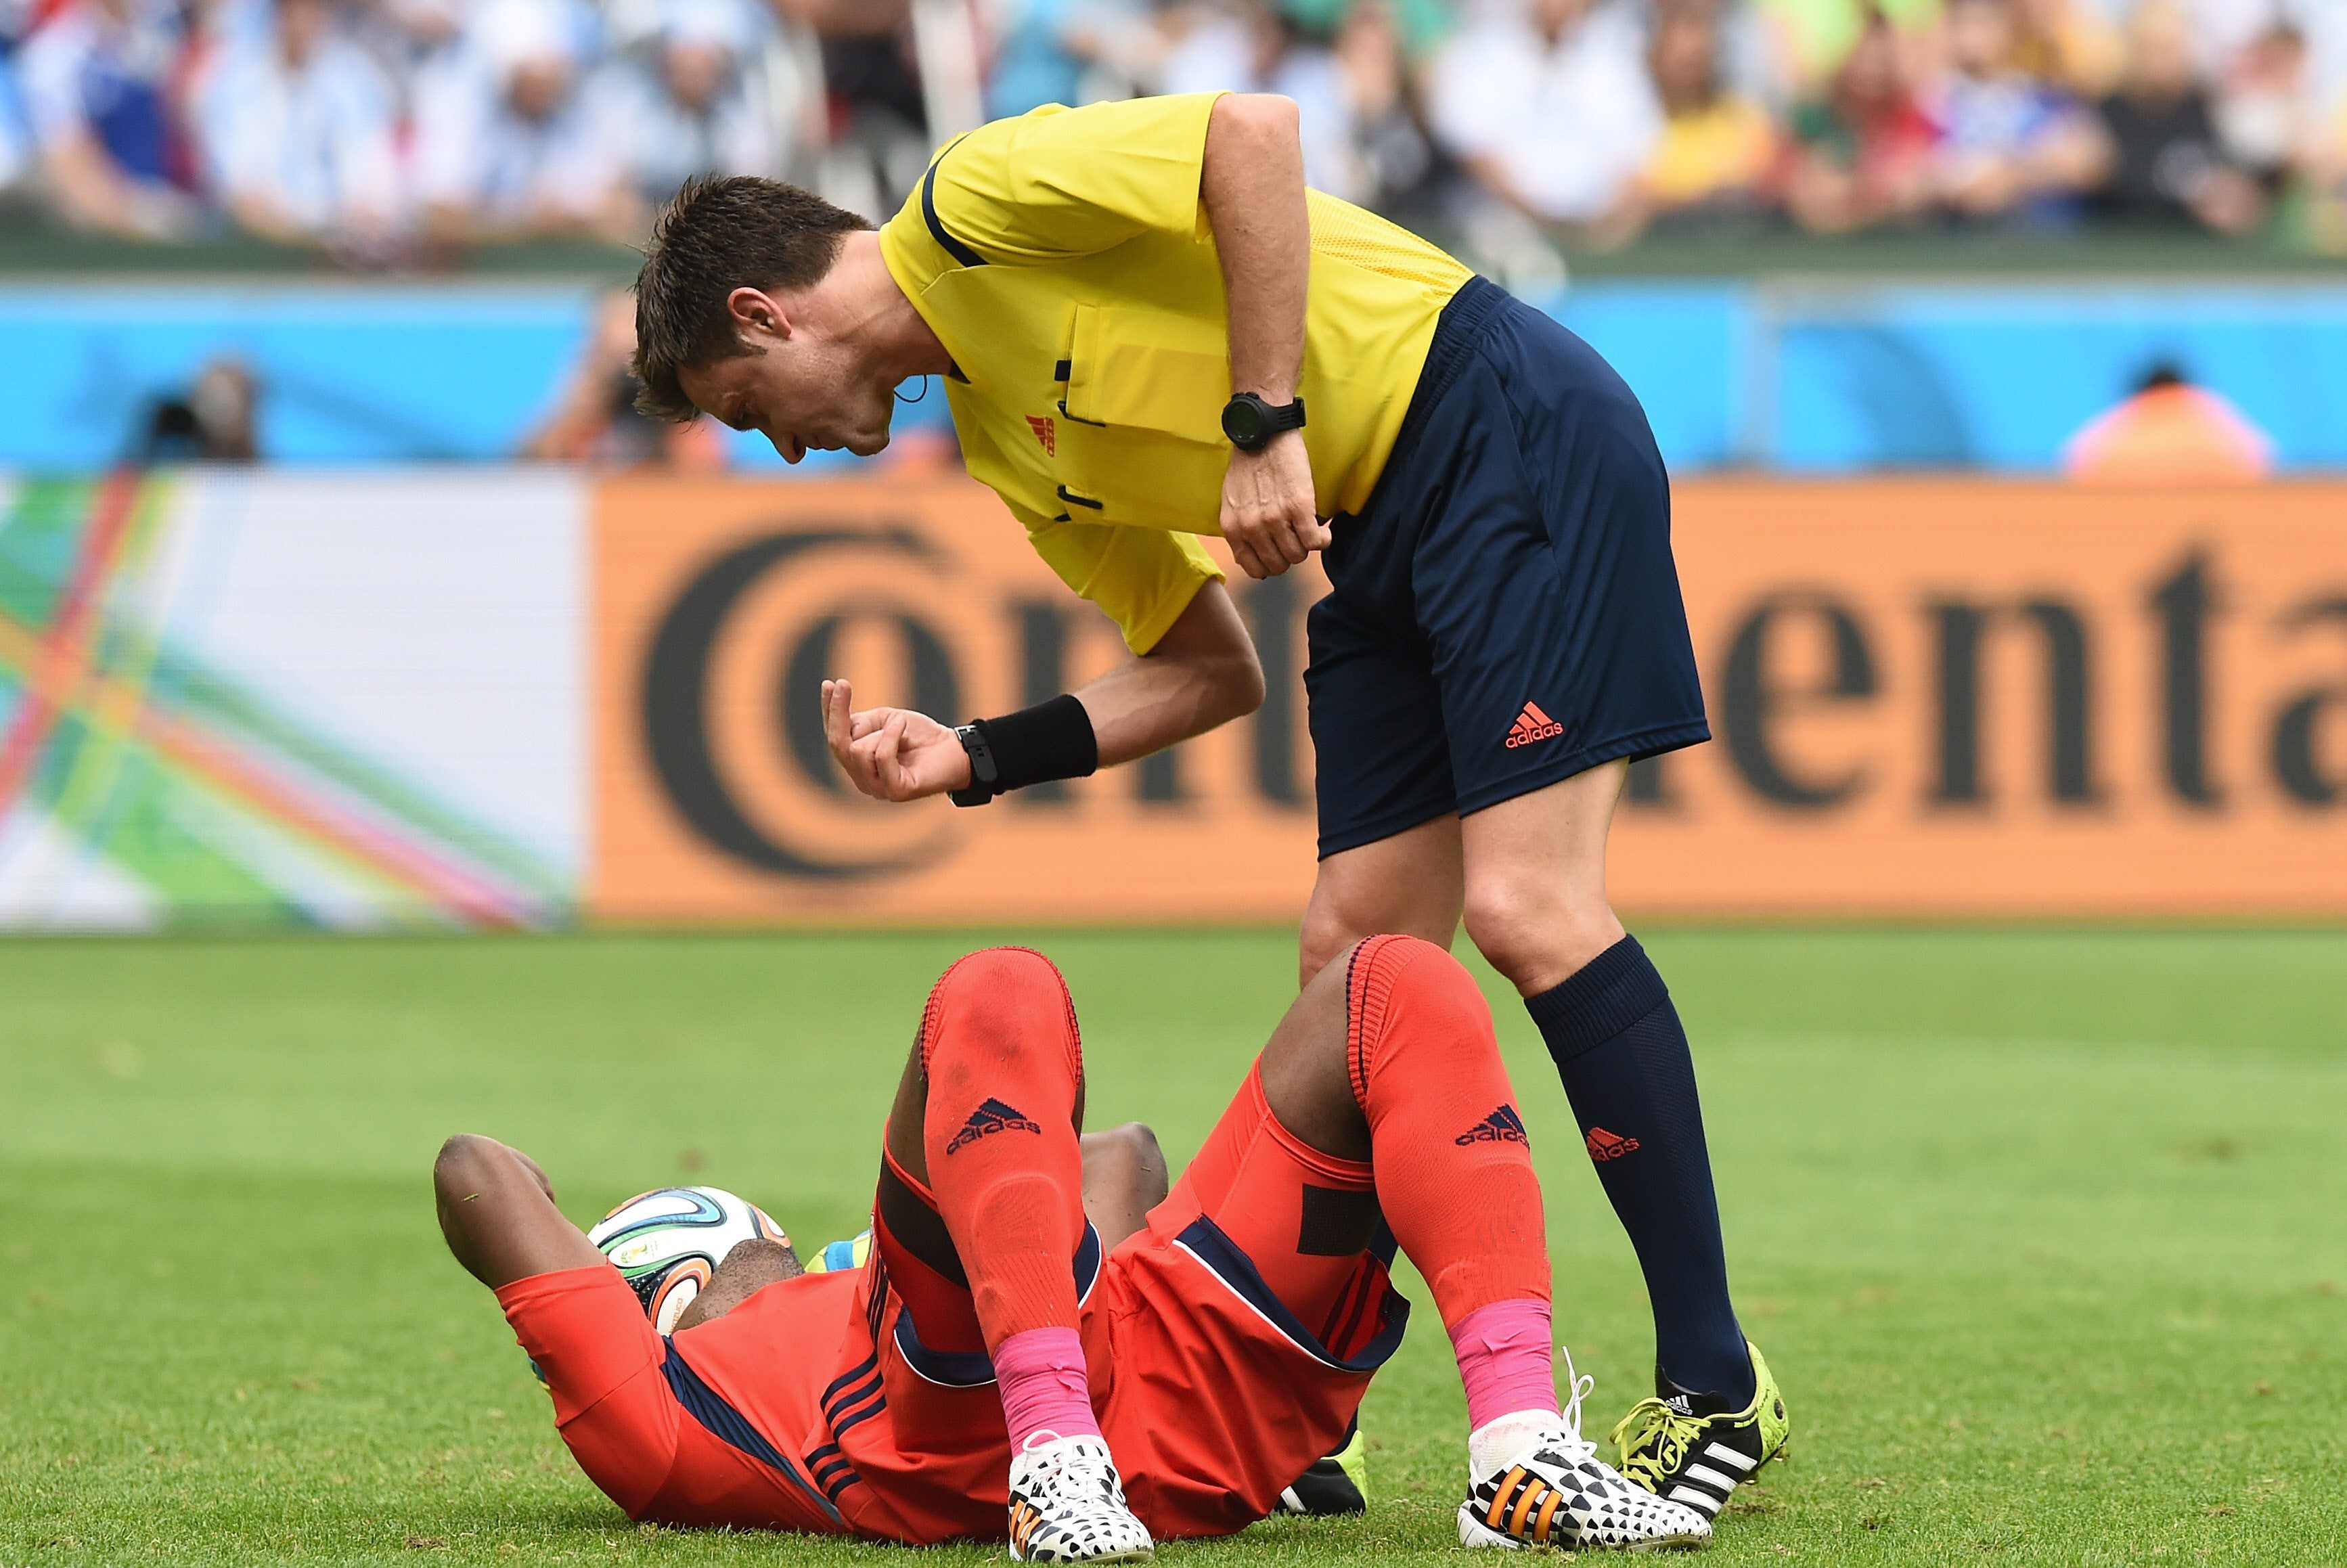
x=1506 y=613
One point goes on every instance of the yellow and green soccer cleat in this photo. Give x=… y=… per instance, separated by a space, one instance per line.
x=1339 y=1485
x=1693 y=1449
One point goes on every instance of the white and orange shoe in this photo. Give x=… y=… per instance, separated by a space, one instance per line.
x=1066 y=1505
x=1547 y=1488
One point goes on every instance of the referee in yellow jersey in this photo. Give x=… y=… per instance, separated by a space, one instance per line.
x=1150 y=330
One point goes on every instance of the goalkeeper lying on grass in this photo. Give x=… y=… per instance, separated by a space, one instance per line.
x=1082 y=1378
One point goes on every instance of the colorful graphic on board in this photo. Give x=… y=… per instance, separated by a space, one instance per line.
x=218 y=705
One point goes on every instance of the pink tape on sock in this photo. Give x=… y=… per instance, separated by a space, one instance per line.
x=1506 y=1359
x=1041 y=1376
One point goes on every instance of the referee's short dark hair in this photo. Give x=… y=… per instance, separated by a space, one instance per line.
x=717 y=236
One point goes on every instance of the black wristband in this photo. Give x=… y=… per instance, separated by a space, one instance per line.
x=1051 y=740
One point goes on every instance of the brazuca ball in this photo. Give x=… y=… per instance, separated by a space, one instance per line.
x=668 y=1243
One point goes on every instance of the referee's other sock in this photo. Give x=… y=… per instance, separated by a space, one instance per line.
x=1619 y=1047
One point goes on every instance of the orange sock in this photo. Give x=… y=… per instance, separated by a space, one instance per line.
x=998 y=1044
x=1454 y=1171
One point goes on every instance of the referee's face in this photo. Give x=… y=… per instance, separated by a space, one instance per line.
x=802 y=390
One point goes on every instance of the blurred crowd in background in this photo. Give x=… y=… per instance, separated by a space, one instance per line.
x=404 y=132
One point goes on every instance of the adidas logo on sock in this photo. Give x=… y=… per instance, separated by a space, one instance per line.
x=1603 y=1145
x=1501 y=1126
x=992 y=1116
x=1531 y=725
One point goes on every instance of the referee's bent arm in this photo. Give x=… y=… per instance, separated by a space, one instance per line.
x=1251 y=184
x=1202 y=674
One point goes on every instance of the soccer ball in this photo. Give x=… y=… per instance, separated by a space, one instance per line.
x=668 y=1243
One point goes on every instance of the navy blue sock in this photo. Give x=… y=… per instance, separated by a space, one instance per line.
x=1618 y=1046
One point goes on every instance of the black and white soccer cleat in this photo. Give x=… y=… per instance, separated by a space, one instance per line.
x=1066 y=1505
x=1555 y=1492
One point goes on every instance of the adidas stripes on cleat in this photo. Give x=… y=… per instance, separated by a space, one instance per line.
x=1066 y=1505
x=1555 y=1492
x=1694 y=1448
x=1339 y=1485
x=1558 y=1493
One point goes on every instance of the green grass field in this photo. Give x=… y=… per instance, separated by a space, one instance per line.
x=2041 y=1228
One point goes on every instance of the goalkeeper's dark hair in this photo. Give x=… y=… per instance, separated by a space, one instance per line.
x=719 y=235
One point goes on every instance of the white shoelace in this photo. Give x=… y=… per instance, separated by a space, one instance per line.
x=1575 y=1445
x=1515 y=1437
x=1072 y=1474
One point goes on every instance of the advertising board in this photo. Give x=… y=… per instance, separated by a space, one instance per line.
x=1927 y=697
x=522 y=697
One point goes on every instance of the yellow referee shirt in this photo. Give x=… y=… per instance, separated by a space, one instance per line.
x=1063 y=260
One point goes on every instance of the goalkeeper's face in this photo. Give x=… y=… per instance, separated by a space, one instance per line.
x=804 y=389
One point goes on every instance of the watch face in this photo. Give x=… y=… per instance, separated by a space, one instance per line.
x=1243 y=421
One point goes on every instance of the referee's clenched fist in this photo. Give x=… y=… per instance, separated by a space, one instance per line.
x=1267 y=514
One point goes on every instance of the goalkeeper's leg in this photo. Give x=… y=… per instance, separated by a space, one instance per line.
x=1381 y=1103
x=982 y=1147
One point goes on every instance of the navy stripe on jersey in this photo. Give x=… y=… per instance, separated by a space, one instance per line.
x=848 y=1402
x=950 y=1368
x=730 y=1426
x=972 y=1368
x=841 y=1409
x=855 y=1374
x=841 y=1426
x=1088 y=1263
x=1204 y=1240
x=831 y=1471
x=1354 y=1305
x=876 y=1299
x=915 y=1226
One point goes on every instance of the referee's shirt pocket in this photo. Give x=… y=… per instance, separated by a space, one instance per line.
x=1142 y=393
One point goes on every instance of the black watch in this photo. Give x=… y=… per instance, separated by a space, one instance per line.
x=983 y=774
x=1251 y=423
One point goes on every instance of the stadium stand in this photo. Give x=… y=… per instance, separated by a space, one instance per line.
x=1818 y=236
x=409 y=133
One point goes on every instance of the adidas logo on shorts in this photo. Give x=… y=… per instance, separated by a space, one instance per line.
x=992 y=1116
x=1531 y=725
x=1501 y=1126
